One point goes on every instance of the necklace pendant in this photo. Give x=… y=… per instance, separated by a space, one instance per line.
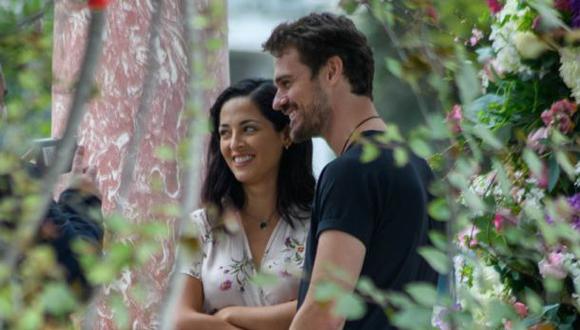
x=263 y=224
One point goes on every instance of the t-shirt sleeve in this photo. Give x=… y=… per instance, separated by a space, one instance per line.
x=199 y=230
x=347 y=200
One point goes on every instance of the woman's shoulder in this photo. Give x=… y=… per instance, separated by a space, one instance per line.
x=200 y=221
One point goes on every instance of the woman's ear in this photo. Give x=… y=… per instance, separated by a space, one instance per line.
x=286 y=140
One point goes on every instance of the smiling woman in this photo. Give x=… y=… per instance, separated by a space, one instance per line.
x=261 y=183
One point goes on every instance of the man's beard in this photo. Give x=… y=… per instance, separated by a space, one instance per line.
x=315 y=117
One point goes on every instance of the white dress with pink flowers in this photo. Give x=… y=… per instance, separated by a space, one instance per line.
x=224 y=265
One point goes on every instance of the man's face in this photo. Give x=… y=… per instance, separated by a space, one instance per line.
x=300 y=96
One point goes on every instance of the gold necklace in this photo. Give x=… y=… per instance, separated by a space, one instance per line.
x=354 y=129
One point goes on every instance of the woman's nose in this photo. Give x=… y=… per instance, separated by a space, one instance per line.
x=236 y=141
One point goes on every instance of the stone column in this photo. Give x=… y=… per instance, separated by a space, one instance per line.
x=109 y=124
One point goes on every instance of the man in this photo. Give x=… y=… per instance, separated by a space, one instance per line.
x=76 y=215
x=368 y=218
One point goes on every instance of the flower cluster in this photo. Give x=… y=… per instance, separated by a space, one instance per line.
x=523 y=234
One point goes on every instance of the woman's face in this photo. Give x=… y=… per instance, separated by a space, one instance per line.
x=250 y=145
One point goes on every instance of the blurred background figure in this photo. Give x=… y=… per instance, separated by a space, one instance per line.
x=75 y=216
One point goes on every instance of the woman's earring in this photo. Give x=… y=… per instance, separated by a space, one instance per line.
x=287 y=145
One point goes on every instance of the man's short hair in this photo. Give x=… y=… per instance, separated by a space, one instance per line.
x=319 y=36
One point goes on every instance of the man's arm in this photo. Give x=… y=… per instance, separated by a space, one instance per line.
x=339 y=250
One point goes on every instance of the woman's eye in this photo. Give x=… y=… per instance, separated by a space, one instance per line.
x=223 y=133
x=250 y=129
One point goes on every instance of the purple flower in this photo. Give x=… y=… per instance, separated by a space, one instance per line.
x=552 y=266
x=575 y=4
x=574 y=202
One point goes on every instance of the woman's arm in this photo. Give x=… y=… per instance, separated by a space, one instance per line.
x=189 y=313
x=258 y=318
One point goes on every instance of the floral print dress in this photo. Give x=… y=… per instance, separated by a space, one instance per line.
x=224 y=265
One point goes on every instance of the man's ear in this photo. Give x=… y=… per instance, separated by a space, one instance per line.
x=334 y=69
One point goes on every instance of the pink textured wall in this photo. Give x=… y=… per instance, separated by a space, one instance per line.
x=109 y=123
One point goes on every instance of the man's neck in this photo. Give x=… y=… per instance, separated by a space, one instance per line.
x=347 y=113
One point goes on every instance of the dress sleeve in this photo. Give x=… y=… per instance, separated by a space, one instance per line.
x=201 y=231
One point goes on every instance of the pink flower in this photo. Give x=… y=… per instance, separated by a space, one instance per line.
x=536 y=139
x=564 y=106
x=502 y=218
x=454 y=118
x=560 y=115
x=226 y=285
x=476 y=35
x=552 y=266
x=498 y=221
x=542 y=178
x=547 y=117
x=494 y=6
x=467 y=237
x=432 y=13
x=521 y=309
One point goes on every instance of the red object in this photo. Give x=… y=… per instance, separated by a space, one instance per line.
x=495 y=6
x=98 y=4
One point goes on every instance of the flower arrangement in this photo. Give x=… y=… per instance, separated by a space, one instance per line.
x=518 y=260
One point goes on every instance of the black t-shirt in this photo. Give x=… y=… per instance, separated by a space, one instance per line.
x=385 y=207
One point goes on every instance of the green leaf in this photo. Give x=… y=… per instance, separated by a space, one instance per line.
x=57 y=299
x=414 y=318
x=533 y=161
x=370 y=153
x=264 y=279
x=553 y=173
x=30 y=319
x=420 y=147
x=502 y=177
x=564 y=162
x=468 y=82
x=351 y=306
x=401 y=156
x=349 y=6
x=438 y=239
x=438 y=210
x=327 y=291
x=487 y=137
x=550 y=16
x=473 y=201
x=366 y=287
x=214 y=44
x=101 y=273
x=164 y=153
x=437 y=259
x=394 y=67
x=423 y=293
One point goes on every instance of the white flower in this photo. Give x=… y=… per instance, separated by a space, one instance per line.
x=570 y=70
x=509 y=19
x=529 y=45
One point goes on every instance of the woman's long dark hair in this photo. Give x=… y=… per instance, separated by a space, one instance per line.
x=295 y=178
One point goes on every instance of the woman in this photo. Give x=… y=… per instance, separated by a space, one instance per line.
x=257 y=194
